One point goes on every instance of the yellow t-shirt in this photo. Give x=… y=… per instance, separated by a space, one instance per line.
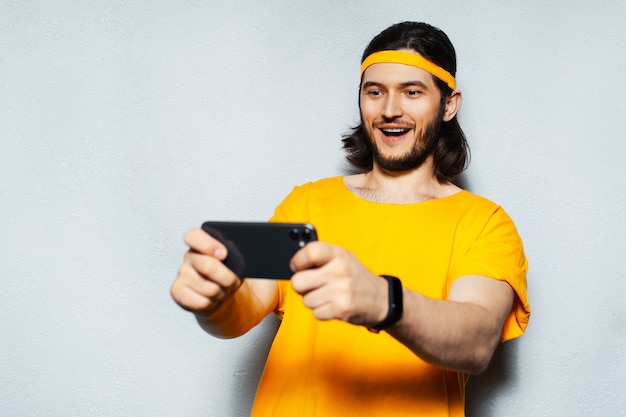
x=332 y=368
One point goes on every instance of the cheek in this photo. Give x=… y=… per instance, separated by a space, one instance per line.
x=423 y=114
x=368 y=109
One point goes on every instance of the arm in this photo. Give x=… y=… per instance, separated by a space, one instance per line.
x=224 y=305
x=460 y=333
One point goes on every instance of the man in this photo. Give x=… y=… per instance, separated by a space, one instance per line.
x=414 y=281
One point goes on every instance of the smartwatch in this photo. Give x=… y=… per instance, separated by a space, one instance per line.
x=395 y=304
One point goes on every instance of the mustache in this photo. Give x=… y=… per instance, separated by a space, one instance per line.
x=396 y=123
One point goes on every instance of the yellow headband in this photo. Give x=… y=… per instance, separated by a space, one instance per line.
x=409 y=58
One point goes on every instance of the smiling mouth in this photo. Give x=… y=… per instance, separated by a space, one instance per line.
x=395 y=131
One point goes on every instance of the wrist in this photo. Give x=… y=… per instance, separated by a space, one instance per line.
x=395 y=304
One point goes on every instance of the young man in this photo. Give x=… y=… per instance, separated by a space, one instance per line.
x=413 y=282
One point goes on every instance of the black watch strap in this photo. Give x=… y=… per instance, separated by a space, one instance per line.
x=395 y=304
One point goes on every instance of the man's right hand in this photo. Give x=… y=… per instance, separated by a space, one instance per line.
x=203 y=282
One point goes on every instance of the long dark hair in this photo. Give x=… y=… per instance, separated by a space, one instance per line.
x=451 y=153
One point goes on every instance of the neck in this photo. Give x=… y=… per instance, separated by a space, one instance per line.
x=405 y=187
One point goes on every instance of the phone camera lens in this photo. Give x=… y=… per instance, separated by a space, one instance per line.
x=294 y=233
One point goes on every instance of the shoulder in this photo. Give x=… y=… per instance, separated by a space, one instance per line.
x=476 y=200
x=331 y=185
x=478 y=215
x=477 y=206
x=295 y=206
x=465 y=204
x=324 y=183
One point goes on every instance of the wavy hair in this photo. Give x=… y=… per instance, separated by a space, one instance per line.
x=451 y=151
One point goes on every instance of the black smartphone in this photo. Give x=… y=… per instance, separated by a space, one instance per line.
x=258 y=249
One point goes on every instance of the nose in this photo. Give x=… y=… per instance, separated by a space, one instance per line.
x=392 y=107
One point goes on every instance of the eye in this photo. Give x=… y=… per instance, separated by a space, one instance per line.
x=413 y=93
x=374 y=93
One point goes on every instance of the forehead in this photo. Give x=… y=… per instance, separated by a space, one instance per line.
x=392 y=73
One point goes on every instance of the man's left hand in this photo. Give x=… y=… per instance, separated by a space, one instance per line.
x=336 y=285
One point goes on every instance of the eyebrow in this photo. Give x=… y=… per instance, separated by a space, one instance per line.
x=405 y=84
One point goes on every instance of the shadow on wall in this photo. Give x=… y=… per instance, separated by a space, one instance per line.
x=463 y=182
x=501 y=377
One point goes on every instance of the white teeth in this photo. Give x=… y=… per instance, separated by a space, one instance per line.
x=395 y=131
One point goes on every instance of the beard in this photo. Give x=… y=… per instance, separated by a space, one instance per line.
x=414 y=158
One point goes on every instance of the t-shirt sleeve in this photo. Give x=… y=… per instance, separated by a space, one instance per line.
x=293 y=209
x=494 y=249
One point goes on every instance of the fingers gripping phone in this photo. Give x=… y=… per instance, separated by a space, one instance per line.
x=261 y=250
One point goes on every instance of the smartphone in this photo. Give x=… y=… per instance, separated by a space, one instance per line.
x=261 y=250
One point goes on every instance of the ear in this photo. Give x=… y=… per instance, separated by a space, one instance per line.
x=452 y=106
